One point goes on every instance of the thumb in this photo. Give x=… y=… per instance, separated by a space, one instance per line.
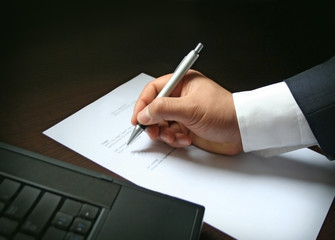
x=164 y=109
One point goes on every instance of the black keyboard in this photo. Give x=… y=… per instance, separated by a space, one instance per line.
x=31 y=212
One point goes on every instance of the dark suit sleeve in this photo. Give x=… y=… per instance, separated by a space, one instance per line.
x=314 y=92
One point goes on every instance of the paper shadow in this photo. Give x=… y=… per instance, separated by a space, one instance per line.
x=285 y=166
x=281 y=166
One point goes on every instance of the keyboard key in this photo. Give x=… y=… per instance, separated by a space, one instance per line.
x=71 y=207
x=7 y=189
x=62 y=220
x=81 y=226
x=88 y=211
x=7 y=226
x=54 y=234
x=41 y=213
x=73 y=236
x=23 y=202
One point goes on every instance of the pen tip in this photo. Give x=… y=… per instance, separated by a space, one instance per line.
x=130 y=139
x=136 y=132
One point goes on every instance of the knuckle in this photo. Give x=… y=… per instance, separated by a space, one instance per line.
x=160 y=106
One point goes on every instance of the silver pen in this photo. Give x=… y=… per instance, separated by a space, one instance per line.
x=178 y=74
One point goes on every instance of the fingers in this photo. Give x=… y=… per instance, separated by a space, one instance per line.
x=161 y=131
x=174 y=135
x=148 y=94
x=166 y=109
x=152 y=89
x=177 y=140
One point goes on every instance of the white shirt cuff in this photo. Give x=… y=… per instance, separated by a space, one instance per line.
x=270 y=120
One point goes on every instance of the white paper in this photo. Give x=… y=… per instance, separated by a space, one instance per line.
x=245 y=196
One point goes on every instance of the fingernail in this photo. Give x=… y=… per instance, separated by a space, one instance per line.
x=184 y=142
x=165 y=137
x=144 y=116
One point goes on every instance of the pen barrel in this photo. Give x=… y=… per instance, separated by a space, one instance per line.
x=179 y=73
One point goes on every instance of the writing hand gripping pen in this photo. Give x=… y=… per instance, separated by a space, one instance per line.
x=178 y=74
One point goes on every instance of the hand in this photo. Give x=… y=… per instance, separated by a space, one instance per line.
x=198 y=112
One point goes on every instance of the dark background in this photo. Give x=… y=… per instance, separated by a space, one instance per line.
x=57 y=57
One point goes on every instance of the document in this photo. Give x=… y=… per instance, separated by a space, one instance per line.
x=245 y=196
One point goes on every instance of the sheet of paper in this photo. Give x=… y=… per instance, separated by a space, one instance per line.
x=246 y=196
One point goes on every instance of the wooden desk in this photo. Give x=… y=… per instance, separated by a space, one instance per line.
x=58 y=58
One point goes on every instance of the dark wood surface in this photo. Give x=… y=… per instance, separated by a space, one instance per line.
x=58 y=57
